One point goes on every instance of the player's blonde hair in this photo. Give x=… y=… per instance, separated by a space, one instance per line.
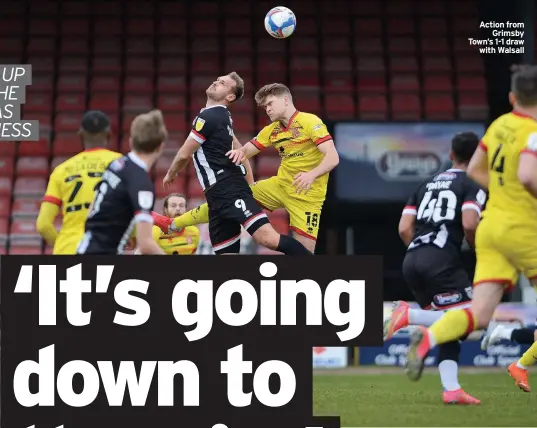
x=239 y=85
x=148 y=131
x=276 y=89
x=524 y=84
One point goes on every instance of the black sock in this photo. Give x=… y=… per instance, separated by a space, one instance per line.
x=292 y=247
x=522 y=336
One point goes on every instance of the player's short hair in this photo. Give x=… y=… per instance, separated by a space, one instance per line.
x=148 y=131
x=524 y=84
x=276 y=89
x=171 y=195
x=239 y=85
x=464 y=145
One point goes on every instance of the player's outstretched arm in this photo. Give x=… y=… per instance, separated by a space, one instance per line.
x=478 y=167
x=249 y=173
x=527 y=166
x=406 y=227
x=237 y=156
x=304 y=180
x=181 y=160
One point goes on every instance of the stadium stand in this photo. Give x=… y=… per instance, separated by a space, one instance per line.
x=375 y=60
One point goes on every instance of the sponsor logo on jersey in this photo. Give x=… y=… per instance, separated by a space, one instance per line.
x=199 y=124
x=447 y=298
x=295 y=132
x=411 y=166
x=532 y=142
x=145 y=199
x=445 y=176
x=117 y=165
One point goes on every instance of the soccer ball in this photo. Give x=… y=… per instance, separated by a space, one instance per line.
x=280 y=22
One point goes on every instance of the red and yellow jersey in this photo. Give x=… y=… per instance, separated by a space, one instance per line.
x=505 y=139
x=71 y=187
x=180 y=243
x=297 y=146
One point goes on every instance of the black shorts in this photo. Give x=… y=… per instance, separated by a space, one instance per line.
x=437 y=277
x=230 y=210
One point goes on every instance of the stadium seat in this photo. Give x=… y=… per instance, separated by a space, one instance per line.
x=42 y=64
x=406 y=106
x=4 y=229
x=35 y=148
x=373 y=83
x=171 y=84
x=339 y=82
x=27 y=248
x=172 y=103
x=470 y=82
x=67 y=144
x=176 y=124
x=22 y=230
x=25 y=208
x=5 y=206
x=7 y=149
x=162 y=164
x=74 y=46
x=30 y=186
x=108 y=27
x=194 y=189
x=301 y=45
x=404 y=64
x=436 y=63
x=74 y=64
x=105 y=82
x=242 y=45
x=106 y=102
x=103 y=64
x=143 y=65
x=73 y=103
x=142 y=84
x=140 y=27
x=434 y=46
x=6 y=184
x=137 y=103
x=438 y=83
x=372 y=107
x=267 y=165
x=109 y=46
x=473 y=106
x=339 y=106
x=72 y=83
x=32 y=167
x=38 y=102
x=430 y=27
x=439 y=106
x=66 y=122
x=7 y=166
x=178 y=186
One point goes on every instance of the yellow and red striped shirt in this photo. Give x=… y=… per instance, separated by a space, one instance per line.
x=297 y=146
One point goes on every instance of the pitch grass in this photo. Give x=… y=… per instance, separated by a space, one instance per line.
x=384 y=400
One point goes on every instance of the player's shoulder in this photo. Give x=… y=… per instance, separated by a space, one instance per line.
x=308 y=118
x=213 y=113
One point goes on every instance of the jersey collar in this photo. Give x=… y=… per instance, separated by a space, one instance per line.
x=134 y=157
x=291 y=119
x=217 y=105
x=519 y=114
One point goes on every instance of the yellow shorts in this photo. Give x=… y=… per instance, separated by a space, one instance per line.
x=304 y=210
x=503 y=251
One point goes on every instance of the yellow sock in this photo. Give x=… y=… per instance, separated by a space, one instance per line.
x=529 y=357
x=453 y=325
x=196 y=216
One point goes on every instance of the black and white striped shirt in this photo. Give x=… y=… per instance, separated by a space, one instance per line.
x=213 y=130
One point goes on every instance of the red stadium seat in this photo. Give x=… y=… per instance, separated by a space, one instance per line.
x=33 y=248
x=470 y=64
x=108 y=27
x=302 y=64
x=75 y=27
x=172 y=46
x=437 y=46
x=172 y=66
x=109 y=46
x=238 y=45
x=371 y=83
x=402 y=45
x=206 y=45
x=438 y=83
x=30 y=186
x=4 y=229
x=32 y=167
x=9 y=44
x=7 y=166
x=470 y=82
x=138 y=103
x=38 y=102
x=244 y=122
x=461 y=46
x=41 y=45
x=66 y=144
x=433 y=27
x=171 y=84
x=400 y=26
x=439 y=106
x=406 y=106
x=306 y=100
x=205 y=65
x=336 y=26
x=404 y=64
x=138 y=84
x=42 y=82
x=364 y=27
x=172 y=103
x=436 y=63
x=371 y=65
x=26 y=207
x=76 y=64
x=205 y=27
x=34 y=148
x=23 y=230
x=307 y=81
x=105 y=83
x=335 y=63
x=41 y=64
x=175 y=122
x=72 y=83
x=175 y=26
x=104 y=101
x=178 y=186
x=301 y=45
x=194 y=189
x=267 y=165
x=67 y=122
x=74 y=46
x=339 y=106
x=372 y=107
x=140 y=27
x=73 y=103
x=106 y=64
x=7 y=149
x=142 y=65
x=404 y=82
x=41 y=27
x=5 y=206
x=336 y=46
x=6 y=185
x=162 y=164
x=473 y=105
